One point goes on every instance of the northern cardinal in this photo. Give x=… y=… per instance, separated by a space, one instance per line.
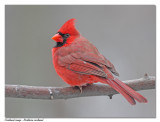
x=78 y=63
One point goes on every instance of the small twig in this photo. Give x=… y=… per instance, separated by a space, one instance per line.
x=52 y=93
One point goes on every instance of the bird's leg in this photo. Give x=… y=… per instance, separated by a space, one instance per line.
x=88 y=84
x=80 y=88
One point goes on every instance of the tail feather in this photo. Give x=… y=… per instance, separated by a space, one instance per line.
x=126 y=91
x=131 y=92
x=121 y=90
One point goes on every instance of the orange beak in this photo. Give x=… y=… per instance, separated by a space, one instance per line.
x=57 y=38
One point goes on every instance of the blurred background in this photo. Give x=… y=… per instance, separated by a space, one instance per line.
x=124 y=34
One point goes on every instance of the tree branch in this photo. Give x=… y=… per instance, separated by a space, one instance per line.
x=52 y=93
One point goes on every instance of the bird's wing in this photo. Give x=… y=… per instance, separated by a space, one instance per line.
x=83 y=57
x=87 y=63
x=99 y=60
x=81 y=66
x=110 y=66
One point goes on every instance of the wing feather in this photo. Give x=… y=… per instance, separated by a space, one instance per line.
x=81 y=66
x=100 y=60
x=85 y=59
x=88 y=68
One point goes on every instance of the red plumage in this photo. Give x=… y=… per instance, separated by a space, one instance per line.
x=78 y=62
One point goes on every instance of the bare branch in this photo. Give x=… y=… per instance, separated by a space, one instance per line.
x=52 y=93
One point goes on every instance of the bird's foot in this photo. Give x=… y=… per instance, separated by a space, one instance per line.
x=79 y=87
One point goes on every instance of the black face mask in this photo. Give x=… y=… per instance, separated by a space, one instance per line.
x=64 y=36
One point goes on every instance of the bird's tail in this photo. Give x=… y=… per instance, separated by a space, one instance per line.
x=126 y=91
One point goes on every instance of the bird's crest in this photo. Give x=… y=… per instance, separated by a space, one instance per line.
x=69 y=27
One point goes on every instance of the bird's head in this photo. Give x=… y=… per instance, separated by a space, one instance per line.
x=66 y=34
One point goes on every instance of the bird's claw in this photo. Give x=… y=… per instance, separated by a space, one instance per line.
x=80 y=88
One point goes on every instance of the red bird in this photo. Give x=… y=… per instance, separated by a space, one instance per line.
x=78 y=63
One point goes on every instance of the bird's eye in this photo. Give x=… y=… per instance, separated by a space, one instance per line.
x=67 y=35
